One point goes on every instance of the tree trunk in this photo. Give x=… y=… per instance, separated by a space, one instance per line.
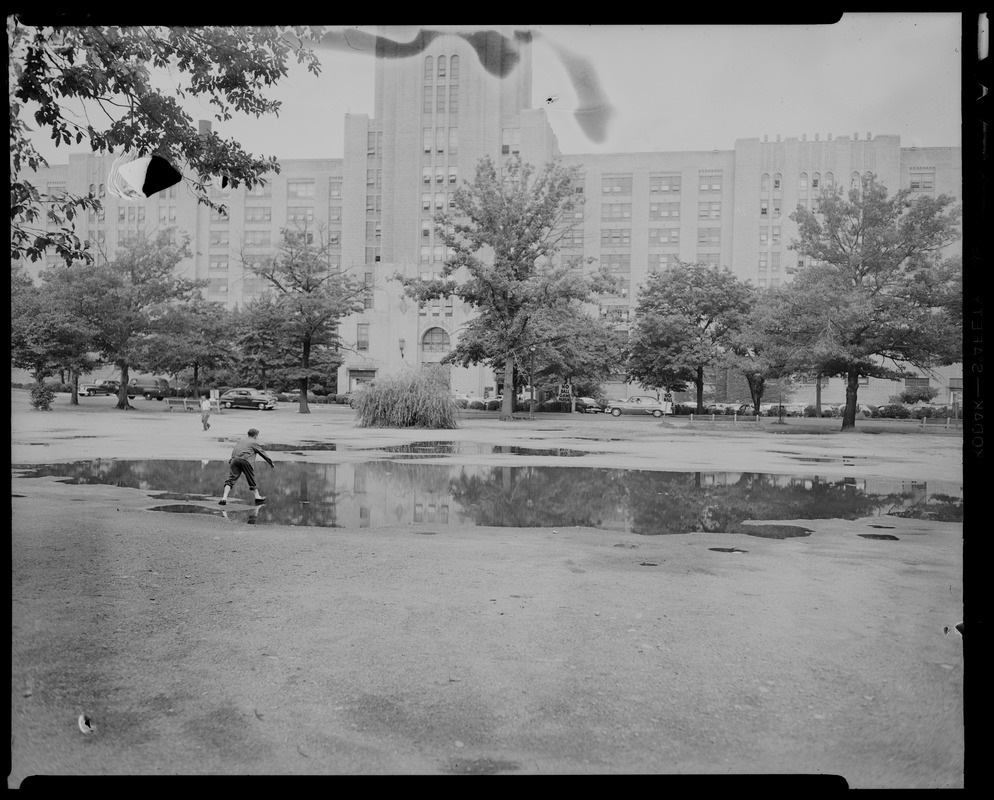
x=757 y=384
x=507 y=404
x=818 y=395
x=699 y=383
x=122 y=397
x=852 y=387
x=74 y=381
x=196 y=380
x=305 y=364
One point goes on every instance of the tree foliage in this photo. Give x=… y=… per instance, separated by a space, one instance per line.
x=879 y=295
x=125 y=301
x=684 y=320
x=306 y=302
x=503 y=237
x=109 y=72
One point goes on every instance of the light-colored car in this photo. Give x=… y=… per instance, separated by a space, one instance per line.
x=99 y=387
x=247 y=398
x=637 y=404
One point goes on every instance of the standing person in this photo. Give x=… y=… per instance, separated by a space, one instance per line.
x=205 y=412
x=242 y=461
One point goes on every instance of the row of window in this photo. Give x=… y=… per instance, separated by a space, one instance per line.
x=670 y=183
x=440 y=140
x=452 y=63
x=439 y=95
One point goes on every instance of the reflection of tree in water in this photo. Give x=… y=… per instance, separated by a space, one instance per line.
x=527 y=497
x=677 y=503
x=409 y=477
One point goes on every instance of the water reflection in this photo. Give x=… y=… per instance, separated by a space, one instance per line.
x=380 y=493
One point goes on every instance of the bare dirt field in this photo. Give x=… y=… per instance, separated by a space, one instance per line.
x=194 y=645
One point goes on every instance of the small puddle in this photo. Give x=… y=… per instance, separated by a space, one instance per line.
x=471 y=448
x=445 y=497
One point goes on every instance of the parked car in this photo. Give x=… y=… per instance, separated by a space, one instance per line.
x=749 y=409
x=637 y=404
x=789 y=410
x=589 y=405
x=247 y=398
x=99 y=387
x=150 y=388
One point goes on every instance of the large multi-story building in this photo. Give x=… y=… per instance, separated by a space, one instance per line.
x=436 y=115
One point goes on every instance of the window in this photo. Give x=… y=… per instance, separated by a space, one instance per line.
x=219 y=238
x=448 y=306
x=660 y=261
x=710 y=183
x=616 y=184
x=440 y=140
x=426 y=202
x=922 y=182
x=362 y=336
x=453 y=176
x=440 y=176
x=708 y=237
x=217 y=215
x=122 y=212
x=816 y=180
x=440 y=202
x=453 y=142
x=425 y=229
x=441 y=66
x=454 y=68
x=916 y=382
x=435 y=340
x=664 y=183
x=776 y=182
x=219 y=263
x=829 y=180
x=664 y=211
x=425 y=253
x=764 y=208
x=663 y=236
x=440 y=99
x=764 y=183
x=263 y=214
x=335 y=214
x=373 y=230
x=616 y=237
x=295 y=214
x=335 y=189
x=709 y=210
x=764 y=235
x=572 y=238
x=617 y=262
x=429 y=68
x=616 y=211
x=426 y=175
x=776 y=208
x=131 y=213
x=426 y=137
x=510 y=141
x=776 y=234
x=260 y=190
x=763 y=258
x=257 y=238
x=300 y=188
x=453 y=98
x=775 y=261
x=372 y=255
x=802 y=184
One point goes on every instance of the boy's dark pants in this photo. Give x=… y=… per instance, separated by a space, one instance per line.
x=238 y=467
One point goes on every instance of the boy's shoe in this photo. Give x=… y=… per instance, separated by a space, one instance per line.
x=222 y=502
x=260 y=500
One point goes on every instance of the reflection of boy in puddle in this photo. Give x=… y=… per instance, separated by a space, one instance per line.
x=252 y=515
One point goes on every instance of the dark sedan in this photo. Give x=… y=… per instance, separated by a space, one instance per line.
x=247 y=398
x=99 y=387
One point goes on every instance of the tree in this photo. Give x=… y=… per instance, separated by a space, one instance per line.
x=197 y=335
x=45 y=333
x=309 y=297
x=124 y=301
x=878 y=290
x=684 y=320
x=109 y=71
x=502 y=239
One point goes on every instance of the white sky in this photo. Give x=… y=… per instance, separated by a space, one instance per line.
x=677 y=87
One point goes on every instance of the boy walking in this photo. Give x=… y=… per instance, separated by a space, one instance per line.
x=242 y=462
x=205 y=412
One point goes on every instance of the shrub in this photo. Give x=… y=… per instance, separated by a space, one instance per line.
x=477 y=405
x=494 y=405
x=410 y=399
x=42 y=396
x=893 y=411
x=810 y=411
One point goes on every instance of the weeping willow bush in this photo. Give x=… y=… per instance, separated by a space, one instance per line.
x=412 y=399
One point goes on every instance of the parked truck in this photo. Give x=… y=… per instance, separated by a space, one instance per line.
x=149 y=388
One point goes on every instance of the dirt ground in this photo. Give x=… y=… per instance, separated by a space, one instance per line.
x=193 y=645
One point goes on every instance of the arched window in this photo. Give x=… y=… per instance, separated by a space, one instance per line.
x=765 y=183
x=441 y=66
x=454 y=68
x=829 y=180
x=803 y=184
x=854 y=183
x=435 y=340
x=429 y=68
x=816 y=180
x=777 y=184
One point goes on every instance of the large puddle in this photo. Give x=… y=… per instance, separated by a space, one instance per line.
x=409 y=491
